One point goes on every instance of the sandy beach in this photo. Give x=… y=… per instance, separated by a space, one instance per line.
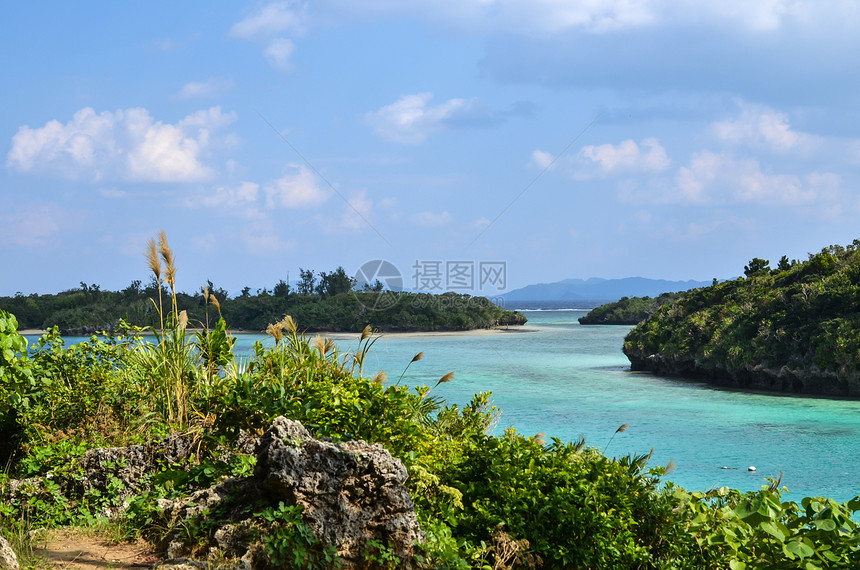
x=351 y=335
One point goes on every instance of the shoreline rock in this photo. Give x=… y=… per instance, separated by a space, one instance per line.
x=807 y=382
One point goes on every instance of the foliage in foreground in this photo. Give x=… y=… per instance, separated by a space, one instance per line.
x=485 y=501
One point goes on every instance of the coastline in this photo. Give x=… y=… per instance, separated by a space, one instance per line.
x=348 y=335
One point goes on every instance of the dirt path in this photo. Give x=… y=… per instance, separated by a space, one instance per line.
x=84 y=550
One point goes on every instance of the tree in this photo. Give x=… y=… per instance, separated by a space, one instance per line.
x=307 y=280
x=246 y=292
x=784 y=264
x=756 y=267
x=282 y=289
x=335 y=283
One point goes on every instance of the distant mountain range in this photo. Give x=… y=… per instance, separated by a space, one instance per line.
x=597 y=289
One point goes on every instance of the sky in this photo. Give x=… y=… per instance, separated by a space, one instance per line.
x=474 y=145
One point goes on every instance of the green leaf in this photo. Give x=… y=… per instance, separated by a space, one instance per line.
x=772 y=530
x=737 y=565
x=798 y=549
x=827 y=525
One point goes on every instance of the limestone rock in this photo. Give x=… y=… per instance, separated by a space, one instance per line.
x=350 y=492
x=8 y=560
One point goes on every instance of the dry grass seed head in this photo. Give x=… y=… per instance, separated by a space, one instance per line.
x=381 y=377
x=275 y=331
x=288 y=323
x=417 y=357
x=319 y=344
x=366 y=332
x=168 y=258
x=152 y=260
x=183 y=319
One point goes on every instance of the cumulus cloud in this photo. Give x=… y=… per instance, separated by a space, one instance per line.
x=627 y=156
x=542 y=159
x=269 y=20
x=605 y=16
x=432 y=219
x=761 y=127
x=212 y=87
x=411 y=119
x=299 y=188
x=278 y=53
x=267 y=24
x=124 y=145
x=719 y=178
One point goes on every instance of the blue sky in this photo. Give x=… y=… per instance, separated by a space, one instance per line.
x=648 y=138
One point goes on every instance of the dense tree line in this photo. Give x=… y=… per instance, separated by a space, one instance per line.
x=795 y=327
x=320 y=301
x=627 y=310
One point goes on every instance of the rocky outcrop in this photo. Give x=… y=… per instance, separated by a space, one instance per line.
x=352 y=497
x=350 y=493
x=8 y=560
x=811 y=381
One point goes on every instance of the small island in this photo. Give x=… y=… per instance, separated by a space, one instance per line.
x=627 y=310
x=795 y=328
x=324 y=301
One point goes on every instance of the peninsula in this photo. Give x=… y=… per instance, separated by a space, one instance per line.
x=795 y=328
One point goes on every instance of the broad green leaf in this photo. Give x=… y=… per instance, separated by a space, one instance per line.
x=737 y=565
x=828 y=525
x=798 y=549
x=772 y=530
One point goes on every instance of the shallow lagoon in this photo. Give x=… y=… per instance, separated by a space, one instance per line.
x=567 y=380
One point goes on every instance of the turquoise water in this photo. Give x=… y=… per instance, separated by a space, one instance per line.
x=567 y=380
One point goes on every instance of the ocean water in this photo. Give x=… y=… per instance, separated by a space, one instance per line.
x=565 y=380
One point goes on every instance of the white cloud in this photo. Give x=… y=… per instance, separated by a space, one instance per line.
x=269 y=20
x=410 y=119
x=241 y=200
x=432 y=219
x=607 y=16
x=627 y=156
x=125 y=145
x=212 y=87
x=278 y=54
x=761 y=127
x=542 y=159
x=296 y=189
x=719 y=178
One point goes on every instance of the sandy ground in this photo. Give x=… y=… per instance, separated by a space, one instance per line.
x=348 y=336
x=84 y=550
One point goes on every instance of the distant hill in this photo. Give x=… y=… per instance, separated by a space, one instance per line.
x=600 y=289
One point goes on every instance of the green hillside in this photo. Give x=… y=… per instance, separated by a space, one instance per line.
x=795 y=328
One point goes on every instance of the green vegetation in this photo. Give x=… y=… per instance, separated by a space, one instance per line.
x=485 y=501
x=323 y=302
x=794 y=328
x=627 y=310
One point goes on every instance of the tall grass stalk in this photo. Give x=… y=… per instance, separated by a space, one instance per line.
x=170 y=364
